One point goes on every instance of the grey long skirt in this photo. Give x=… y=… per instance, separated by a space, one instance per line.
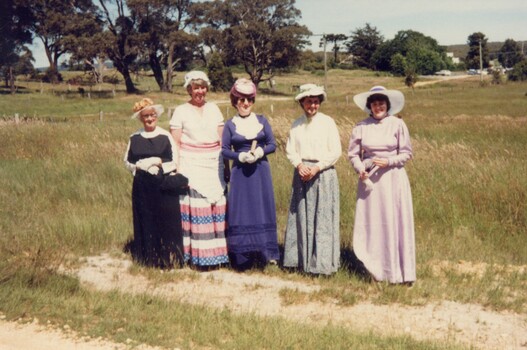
x=312 y=239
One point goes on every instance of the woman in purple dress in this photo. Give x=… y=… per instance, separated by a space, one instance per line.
x=383 y=234
x=251 y=213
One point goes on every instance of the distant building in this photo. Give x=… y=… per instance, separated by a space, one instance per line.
x=455 y=60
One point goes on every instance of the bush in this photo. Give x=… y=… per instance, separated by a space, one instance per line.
x=220 y=76
x=519 y=71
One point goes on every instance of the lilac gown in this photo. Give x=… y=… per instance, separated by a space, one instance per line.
x=383 y=234
x=251 y=213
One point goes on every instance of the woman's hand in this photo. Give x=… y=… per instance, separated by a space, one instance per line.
x=307 y=173
x=381 y=162
x=363 y=175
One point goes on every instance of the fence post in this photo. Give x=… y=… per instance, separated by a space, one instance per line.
x=100 y=115
x=17 y=120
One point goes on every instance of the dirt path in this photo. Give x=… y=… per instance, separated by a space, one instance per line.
x=466 y=324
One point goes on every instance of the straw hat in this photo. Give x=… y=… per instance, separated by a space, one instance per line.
x=196 y=75
x=311 y=90
x=395 y=96
x=146 y=103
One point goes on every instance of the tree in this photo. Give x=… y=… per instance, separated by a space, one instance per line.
x=14 y=19
x=422 y=53
x=119 y=41
x=472 y=59
x=334 y=39
x=220 y=76
x=510 y=53
x=519 y=71
x=58 y=24
x=161 y=25
x=263 y=35
x=362 y=45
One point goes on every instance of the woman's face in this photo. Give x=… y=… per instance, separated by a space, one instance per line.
x=149 y=118
x=197 y=94
x=310 y=105
x=379 y=109
x=244 y=106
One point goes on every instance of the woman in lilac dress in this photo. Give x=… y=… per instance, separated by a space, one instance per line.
x=383 y=234
x=251 y=213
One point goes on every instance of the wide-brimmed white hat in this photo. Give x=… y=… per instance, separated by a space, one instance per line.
x=311 y=90
x=196 y=75
x=144 y=104
x=395 y=96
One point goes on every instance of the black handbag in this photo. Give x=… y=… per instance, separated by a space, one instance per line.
x=176 y=184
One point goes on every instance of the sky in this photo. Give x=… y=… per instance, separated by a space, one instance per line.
x=450 y=22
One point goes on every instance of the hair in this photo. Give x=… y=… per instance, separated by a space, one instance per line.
x=199 y=82
x=320 y=98
x=378 y=97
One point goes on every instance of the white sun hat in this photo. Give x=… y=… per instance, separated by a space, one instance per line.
x=311 y=90
x=144 y=104
x=196 y=75
x=395 y=96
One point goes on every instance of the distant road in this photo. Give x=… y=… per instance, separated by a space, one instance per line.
x=432 y=79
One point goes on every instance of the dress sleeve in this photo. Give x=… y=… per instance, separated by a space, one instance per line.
x=226 y=146
x=355 y=149
x=176 y=122
x=171 y=165
x=218 y=115
x=270 y=142
x=334 y=148
x=130 y=166
x=290 y=149
x=404 y=151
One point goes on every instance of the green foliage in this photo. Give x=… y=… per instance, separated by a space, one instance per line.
x=220 y=76
x=472 y=60
x=398 y=64
x=519 y=72
x=363 y=44
x=422 y=54
x=510 y=53
x=265 y=35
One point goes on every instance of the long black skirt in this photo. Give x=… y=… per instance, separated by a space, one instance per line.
x=158 y=238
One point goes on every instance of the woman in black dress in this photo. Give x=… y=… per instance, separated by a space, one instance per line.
x=151 y=158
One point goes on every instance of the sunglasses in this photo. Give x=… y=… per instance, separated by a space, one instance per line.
x=245 y=99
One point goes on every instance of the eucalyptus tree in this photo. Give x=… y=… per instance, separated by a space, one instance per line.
x=162 y=37
x=58 y=24
x=264 y=36
x=119 y=39
x=15 y=34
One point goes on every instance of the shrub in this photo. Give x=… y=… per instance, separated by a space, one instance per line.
x=519 y=71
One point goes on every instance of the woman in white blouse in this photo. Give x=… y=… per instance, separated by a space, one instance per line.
x=312 y=239
x=197 y=126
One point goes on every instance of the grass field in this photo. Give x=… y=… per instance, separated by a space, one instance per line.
x=66 y=194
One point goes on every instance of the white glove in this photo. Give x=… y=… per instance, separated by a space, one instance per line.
x=154 y=170
x=246 y=157
x=258 y=153
x=146 y=163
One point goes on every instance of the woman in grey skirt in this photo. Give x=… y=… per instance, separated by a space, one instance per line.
x=313 y=147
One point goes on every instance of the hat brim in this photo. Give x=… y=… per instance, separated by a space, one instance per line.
x=312 y=92
x=395 y=96
x=158 y=108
